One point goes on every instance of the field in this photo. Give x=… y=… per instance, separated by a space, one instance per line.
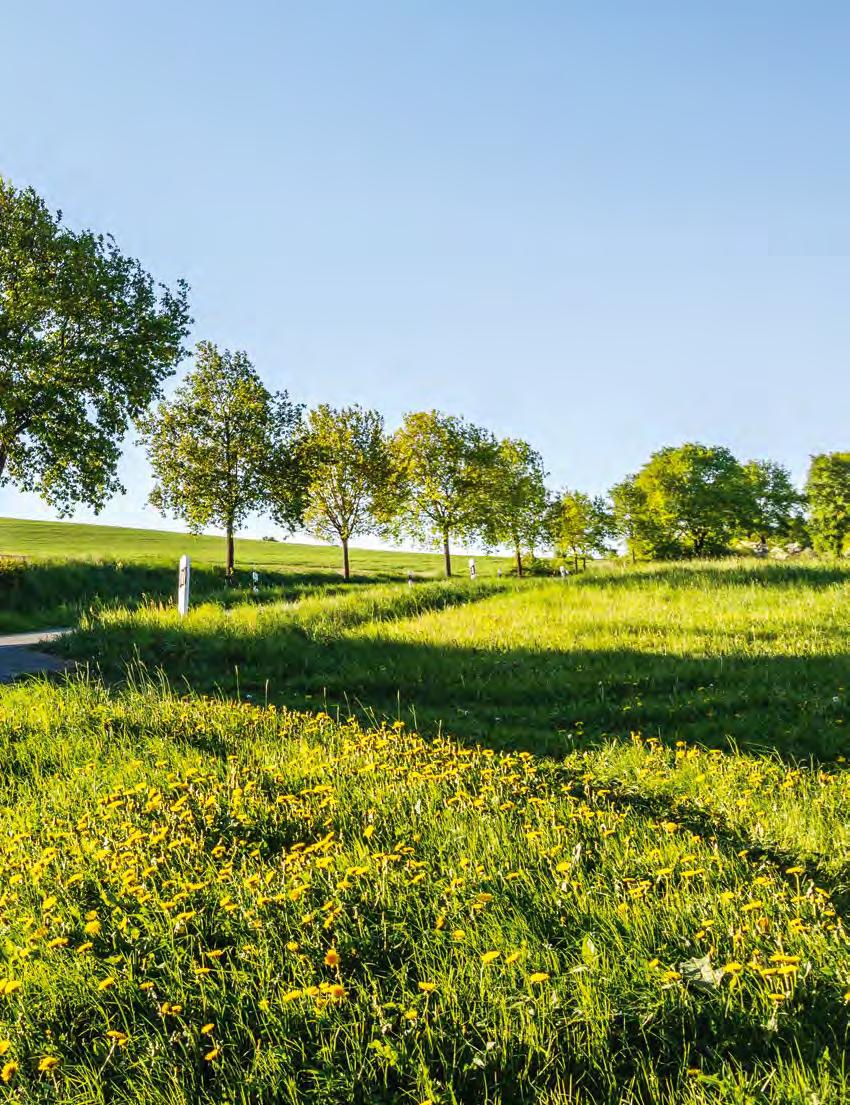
x=52 y=571
x=512 y=841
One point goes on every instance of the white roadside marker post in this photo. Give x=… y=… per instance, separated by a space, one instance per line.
x=471 y=568
x=255 y=581
x=183 y=586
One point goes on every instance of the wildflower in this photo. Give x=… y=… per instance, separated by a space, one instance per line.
x=513 y=957
x=91 y=928
x=368 y=832
x=9 y=1070
x=213 y=1053
x=538 y=976
x=291 y=995
x=105 y=983
x=4 y=1046
x=332 y=958
x=206 y=1029
x=48 y=1063
x=427 y=987
x=488 y=957
x=118 y=1036
x=458 y=936
x=9 y=986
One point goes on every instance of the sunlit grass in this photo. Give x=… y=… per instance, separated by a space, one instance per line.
x=611 y=866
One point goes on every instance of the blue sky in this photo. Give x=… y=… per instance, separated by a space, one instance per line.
x=604 y=227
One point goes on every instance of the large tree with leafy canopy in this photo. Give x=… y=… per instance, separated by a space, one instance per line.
x=776 y=504
x=687 y=500
x=516 y=503
x=348 y=469
x=223 y=447
x=86 y=340
x=444 y=466
x=828 y=497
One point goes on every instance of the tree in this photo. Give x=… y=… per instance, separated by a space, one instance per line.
x=775 y=508
x=444 y=466
x=689 y=500
x=580 y=526
x=86 y=340
x=516 y=498
x=223 y=446
x=828 y=496
x=349 y=471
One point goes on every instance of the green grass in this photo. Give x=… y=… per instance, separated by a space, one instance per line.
x=529 y=901
x=52 y=571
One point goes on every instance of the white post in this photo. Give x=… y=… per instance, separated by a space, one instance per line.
x=471 y=568
x=255 y=580
x=183 y=586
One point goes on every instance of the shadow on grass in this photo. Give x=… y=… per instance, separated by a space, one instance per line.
x=547 y=702
x=47 y=593
x=701 y=574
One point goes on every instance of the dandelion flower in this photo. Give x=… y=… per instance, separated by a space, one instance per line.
x=488 y=957
x=538 y=976
x=427 y=987
x=48 y=1063
x=206 y=1029
x=213 y=1053
x=105 y=983
x=332 y=958
x=9 y=1070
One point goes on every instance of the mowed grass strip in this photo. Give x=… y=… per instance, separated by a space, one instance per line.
x=211 y=901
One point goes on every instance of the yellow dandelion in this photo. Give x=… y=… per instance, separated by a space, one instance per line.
x=488 y=957
x=213 y=1053
x=4 y=1046
x=9 y=1070
x=9 y=986
x=91 y=928
x=332 y=958
x=206 y=1029
x=48 y=1063
x=538 y=976
x=427 y=987
x=105 y=983
x=513 y=957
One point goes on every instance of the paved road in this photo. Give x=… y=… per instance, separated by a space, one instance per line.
x=18 y=657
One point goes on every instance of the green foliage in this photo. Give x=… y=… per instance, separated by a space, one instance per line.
x=580 y=526
x=515 y=513
x=444 y=466
x=86 y=340
x=828 y=494
x=689 y=500
x=776 y=508
x=220 y=444
x=349 y=473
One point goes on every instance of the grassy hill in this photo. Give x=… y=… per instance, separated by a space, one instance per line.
x=565 y=842
x=50 y=571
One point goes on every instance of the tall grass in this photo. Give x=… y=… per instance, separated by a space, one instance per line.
x=205 y=901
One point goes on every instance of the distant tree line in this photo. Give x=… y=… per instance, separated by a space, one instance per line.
x=87 y=339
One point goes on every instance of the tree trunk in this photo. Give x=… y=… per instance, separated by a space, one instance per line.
x=2 y=460
x=229 y=570
x=447 y=556
x=518 y=563
x=346 y=570
x=575 y=562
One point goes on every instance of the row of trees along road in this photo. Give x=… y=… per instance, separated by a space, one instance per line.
x=224 y=447
x=87 y=339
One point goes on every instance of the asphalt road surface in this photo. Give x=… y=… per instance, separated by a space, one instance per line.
x=19 y=657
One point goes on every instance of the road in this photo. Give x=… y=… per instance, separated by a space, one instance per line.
x=19 y=657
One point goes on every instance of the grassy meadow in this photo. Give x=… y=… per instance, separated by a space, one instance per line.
x=507 y=841
x=50 y=572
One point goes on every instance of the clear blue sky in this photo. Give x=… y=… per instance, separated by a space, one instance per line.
x=604 y=227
